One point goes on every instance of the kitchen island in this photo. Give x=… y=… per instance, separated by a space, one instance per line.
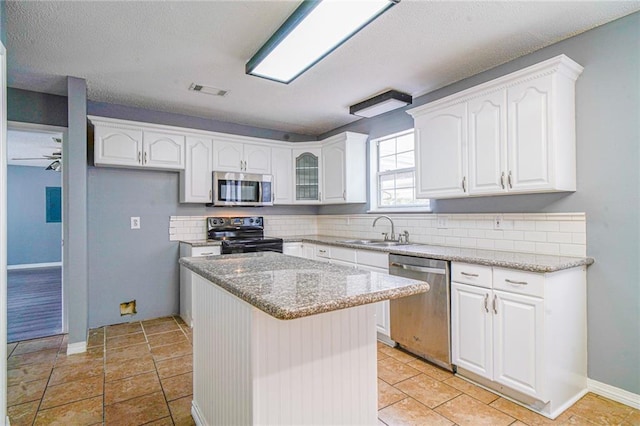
x=284 y=340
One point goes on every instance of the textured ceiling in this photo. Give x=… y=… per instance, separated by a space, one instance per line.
x=147 y=53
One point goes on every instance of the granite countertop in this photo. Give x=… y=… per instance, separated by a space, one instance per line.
x=288 y=287
x=503 y=259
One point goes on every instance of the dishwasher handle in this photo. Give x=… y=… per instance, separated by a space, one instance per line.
x=419 y=268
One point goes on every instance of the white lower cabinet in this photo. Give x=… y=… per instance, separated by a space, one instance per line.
x=518 y=358
x=378 y=262
x=293 y=249
x=187 y=250
x=363 y=259
x=522 y=334
x=472 y=329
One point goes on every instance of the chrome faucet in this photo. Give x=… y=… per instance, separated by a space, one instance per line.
x=386 y=236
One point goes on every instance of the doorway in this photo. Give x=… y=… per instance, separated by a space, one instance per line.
x=34 y=231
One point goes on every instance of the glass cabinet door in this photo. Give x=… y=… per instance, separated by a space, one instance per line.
x=307 y=177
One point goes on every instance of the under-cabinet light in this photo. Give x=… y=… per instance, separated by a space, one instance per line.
x=313 y=30
x=385 y=102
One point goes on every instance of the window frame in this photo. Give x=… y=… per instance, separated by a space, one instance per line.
x=374 y=178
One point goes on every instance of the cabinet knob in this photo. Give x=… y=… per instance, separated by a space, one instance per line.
x=495 y=304
x=145 y=157
x=502 y=180
x=509 y=179
x=210 y=195
x=139 y=157
x=464 y=184
x=486 y=303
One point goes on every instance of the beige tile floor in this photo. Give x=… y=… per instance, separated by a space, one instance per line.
x=141 y=373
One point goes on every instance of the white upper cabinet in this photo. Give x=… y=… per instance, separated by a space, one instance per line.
x=120 y=144
x=163 y=150
x=195 y=180
x=344 y=169
x=228 y=156
x=301 y=171
x=514 y=134
x=531 y=143
x=282 y=175
x=441 y=138
x=117 y=146
x=235 y=156
x=306 y=171
x=488 y=143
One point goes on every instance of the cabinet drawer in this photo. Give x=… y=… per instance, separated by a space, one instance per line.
x=343 y=254
x=323 y=251
x=373 y=258
x=520 y=282
x=205 y=251
x=471 y=274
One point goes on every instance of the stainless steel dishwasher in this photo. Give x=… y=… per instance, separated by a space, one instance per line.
x=421 y=323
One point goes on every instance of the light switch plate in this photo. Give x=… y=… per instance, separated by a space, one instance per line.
x=135 y=222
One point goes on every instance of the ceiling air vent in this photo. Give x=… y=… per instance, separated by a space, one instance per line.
x=200 y=88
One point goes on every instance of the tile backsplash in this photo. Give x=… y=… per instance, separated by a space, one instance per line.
x=540 y=233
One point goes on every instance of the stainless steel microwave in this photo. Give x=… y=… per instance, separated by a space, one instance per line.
x=241 y=189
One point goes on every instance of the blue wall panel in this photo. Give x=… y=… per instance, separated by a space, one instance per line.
x=30 y=239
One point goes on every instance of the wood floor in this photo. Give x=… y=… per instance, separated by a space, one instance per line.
x=34 y=303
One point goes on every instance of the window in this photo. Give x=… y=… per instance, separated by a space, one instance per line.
x=393 y=173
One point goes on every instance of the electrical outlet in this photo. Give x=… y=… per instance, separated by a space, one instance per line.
x=442 y=222
x=500 y=223
x=135 y=222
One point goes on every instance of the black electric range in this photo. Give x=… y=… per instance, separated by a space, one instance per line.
x=241 y=235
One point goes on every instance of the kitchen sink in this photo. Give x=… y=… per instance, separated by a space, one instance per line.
x=374 y=243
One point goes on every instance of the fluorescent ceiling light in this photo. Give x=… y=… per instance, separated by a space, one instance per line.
x=313 y=30
x=385 y=102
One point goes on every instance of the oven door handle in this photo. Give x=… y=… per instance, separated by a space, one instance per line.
x=419 y=268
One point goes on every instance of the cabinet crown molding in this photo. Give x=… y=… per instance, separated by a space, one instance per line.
x=139 y=125
x=560 y=64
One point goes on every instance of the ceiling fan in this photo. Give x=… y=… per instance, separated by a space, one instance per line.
x=56 y=156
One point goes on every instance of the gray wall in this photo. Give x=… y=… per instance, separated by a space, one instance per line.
x=75 y=259
x=126 y=264
x=608 y=160
x=30 y=239
x=33 y=107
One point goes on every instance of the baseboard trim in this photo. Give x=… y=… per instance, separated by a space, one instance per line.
x=34 y=265
x=196 y=414
x=620 y=395
x=76 y=348
x=386 y=340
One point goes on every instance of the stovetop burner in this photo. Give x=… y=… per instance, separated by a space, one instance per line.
x=241 y=234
